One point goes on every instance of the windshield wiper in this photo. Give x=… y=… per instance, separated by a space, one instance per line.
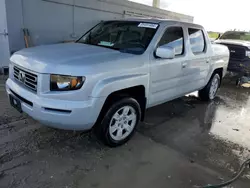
x=110 y=47
x=131 y=51
x=103 y=46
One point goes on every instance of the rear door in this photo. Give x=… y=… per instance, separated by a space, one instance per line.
x=165 y=82
x=4 y=40
x=196 y=67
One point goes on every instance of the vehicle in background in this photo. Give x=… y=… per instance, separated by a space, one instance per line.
x=238 y=43
x=113 y=73
x=213 y=35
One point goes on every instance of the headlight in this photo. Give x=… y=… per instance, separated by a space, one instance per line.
x=248 y=54
x=65 y=83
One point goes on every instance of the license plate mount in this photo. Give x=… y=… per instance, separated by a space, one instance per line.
x=16 y=103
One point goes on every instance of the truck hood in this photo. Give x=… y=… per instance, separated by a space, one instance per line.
x=73 y=59
x=234 y=42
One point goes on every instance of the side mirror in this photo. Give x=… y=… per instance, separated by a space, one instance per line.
x=165 y=52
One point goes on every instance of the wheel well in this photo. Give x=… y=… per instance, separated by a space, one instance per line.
x=220 y=72
x=136 y=92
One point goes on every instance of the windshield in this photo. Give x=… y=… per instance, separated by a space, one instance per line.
x=127 y=37
x=236 y=35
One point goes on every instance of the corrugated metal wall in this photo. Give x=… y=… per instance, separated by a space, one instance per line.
x=52 y=21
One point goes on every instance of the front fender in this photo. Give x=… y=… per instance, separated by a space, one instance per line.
x=107 y=86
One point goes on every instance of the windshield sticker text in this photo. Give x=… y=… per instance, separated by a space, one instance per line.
x=104 y=43
x=148 y=25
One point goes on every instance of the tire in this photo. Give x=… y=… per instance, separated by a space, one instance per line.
x=119 y=122
x=209 y=92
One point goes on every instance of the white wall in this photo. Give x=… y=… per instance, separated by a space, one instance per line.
x=4 y=41
x=14 y=23
x=52 y=21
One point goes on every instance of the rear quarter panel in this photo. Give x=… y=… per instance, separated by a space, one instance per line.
x=219 y=59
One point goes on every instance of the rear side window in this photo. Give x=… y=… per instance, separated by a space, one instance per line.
x=197 y=40
x=173 y=37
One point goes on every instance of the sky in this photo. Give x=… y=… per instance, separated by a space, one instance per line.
x=214 y=15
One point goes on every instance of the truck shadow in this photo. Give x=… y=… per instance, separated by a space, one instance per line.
x=179 y=108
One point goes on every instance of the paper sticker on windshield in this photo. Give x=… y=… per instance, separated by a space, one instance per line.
x=148 y=25
x=104 y=43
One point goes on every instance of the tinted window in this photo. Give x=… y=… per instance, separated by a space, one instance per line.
x=173 y=37
x=236 y=35
x=197 y=40
x=125 y=36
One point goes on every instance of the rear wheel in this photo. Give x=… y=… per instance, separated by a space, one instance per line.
x=210 y=91
x=119 y=122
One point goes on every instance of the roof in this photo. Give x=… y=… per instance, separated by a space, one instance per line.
x=159 y=21
x=151 y=20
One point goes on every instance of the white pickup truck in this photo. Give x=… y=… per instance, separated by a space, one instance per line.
x=113 y=73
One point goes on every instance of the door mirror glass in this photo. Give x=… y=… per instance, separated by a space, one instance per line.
x=165 y=52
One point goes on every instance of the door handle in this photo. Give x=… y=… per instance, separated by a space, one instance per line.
x=207 y=61
x=4 y=33
x=184 y=65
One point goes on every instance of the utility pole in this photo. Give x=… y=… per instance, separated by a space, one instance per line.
x=156 y=3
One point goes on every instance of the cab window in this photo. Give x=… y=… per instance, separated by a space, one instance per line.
x=174 y=38
x=197 y=40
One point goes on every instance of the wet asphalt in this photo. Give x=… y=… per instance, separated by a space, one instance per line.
x=183 y=143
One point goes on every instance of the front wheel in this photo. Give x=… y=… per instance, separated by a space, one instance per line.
x=119 y=122
x=210 y=91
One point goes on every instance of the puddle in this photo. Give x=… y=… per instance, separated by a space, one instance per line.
x=228 y=116
x=215 y=134
x=232 y=125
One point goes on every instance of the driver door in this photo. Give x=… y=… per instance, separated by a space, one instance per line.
x=165 y=82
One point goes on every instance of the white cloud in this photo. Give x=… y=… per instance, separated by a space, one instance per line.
x=215 y=15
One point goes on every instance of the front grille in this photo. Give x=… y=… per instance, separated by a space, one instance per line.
x=236 y=52
x=26 y=78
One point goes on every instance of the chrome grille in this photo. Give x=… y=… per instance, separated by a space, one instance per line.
x=27 y=78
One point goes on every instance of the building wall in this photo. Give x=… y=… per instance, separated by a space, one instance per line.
x=53 y=21
x=14 y=24
x=4 y=39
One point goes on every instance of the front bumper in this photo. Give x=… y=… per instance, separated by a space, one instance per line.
x=57 y=113
x=239 y=66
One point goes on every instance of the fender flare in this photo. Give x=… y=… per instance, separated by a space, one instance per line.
x=107 y=86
